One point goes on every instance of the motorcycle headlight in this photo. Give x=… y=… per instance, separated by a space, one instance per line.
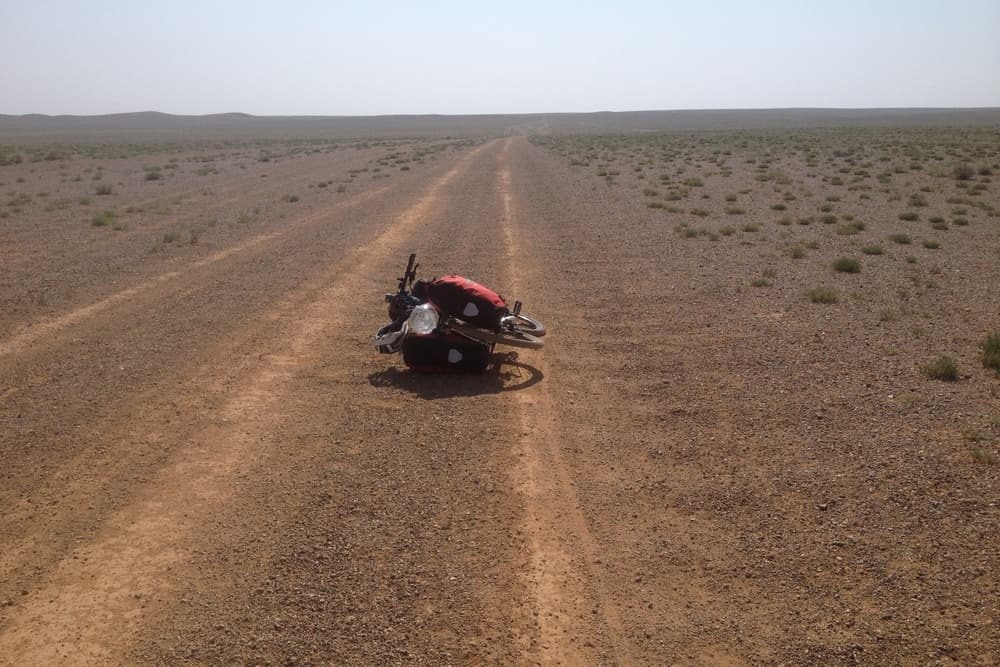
x=423 y=319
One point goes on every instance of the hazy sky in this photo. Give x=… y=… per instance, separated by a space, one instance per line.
x=359 y=58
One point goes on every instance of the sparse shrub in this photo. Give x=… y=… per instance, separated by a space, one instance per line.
x=872 y=250
x=693 y=182
x=655 y=204
x=760 y=282
x=909 y=216
x=822 y=295
x=750 y=227
x=700 y=212
x=943 y=368
x=649 y=192
x=963 y=172
x=153 y=176
x=734 y=210
x=104 y=189
x=847 y=265
x=730 y=198
x=902 y=239
x=104 y=218
x=850 y=229
x=961 y=222
x=170 y=237
x=784 y=221
x=931 y=245
x=918 y=200
x=796 y=252
x=828 y=218
x=291 y=199
x=980 y=455
x=991 y=352
x=778 y=207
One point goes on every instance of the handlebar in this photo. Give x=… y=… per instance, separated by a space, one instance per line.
x=410 y=274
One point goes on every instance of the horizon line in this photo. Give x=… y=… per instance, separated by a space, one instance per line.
x=499 y=113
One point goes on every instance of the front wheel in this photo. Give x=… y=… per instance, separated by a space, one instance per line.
x=511 y=336
x=523 y=323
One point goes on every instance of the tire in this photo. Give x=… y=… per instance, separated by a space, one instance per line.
x=511 y=337
x=523 y=323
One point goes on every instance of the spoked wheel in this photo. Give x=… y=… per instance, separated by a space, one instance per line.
x=513 y=336
x=524 y=324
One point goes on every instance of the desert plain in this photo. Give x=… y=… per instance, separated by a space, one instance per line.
x=764 y=428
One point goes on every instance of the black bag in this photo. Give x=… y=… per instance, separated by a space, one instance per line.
x=444 y=352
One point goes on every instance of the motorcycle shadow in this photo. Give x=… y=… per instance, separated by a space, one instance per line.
x=506 y=373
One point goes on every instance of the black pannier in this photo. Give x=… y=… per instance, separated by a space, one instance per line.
x=441 y=351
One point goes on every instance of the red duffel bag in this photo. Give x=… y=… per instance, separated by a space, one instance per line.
x=467 y=300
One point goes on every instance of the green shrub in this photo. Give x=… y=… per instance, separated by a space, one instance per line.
x=932 y=245
x=872 y=250
x=964 y=172
x=847 y=265
x=822 y=295
x=103 y=219
x=902 y=239
x=943 y=368
x=850 y=229
x=991 y=352
x=909 y=216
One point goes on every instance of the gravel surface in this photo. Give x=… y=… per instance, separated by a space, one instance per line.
x=204 y=461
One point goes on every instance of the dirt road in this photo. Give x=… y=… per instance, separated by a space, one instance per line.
x=205 y=461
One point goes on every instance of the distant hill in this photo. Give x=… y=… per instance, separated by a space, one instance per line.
x=153 y=125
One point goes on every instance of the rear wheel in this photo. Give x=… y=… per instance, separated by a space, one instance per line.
x=511 y=336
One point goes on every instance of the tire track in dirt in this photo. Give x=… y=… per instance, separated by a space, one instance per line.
x=30 y=334
x=92 y=448
x=577 y=620
x=93 y=600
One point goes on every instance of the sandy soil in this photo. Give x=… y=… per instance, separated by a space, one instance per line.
x=204 y=461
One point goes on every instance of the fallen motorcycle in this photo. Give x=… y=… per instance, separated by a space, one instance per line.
x=451 y=323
